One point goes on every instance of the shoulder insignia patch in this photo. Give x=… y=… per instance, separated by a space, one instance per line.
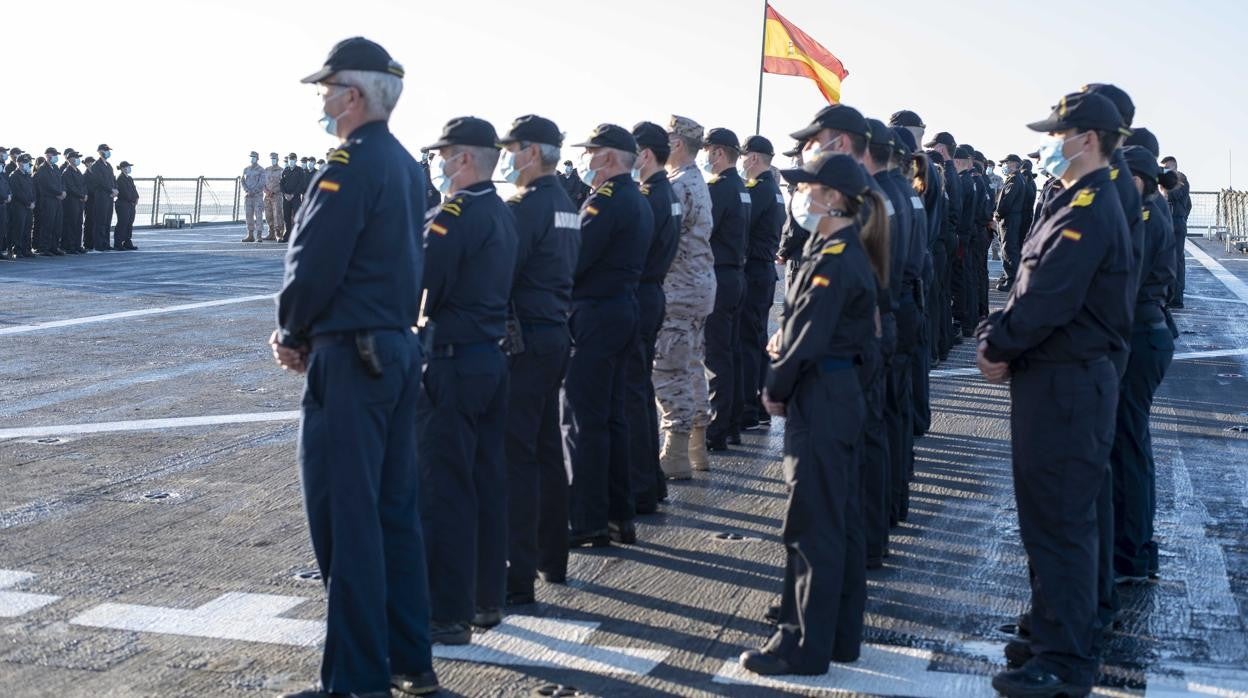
x=327 y=185
x=819 y=281
x=453 y=207
x=1074 y=235
x=645 y=189
x=607 y=189
x=339 y=156
x=1146 y=214
x=1083 y=198
x=590 y=210
x=437 y=228
x=835 y=249
x=751 y=184
x=1113 y=173
x=713 y=180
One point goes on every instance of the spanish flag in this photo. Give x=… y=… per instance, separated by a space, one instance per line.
x=788 y=50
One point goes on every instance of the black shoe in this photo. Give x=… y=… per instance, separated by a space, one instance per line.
x=1130 y=579
x=772 y=615
x=318 y=692
x=589 y=540
x=734 y=440
x=1034 y=682
x=487 y=617
x=450 y=633
x=1178 y=305
x=554 y=577
x=118 y=248
x=1023 y=629
x=1017 y=653
x=647 y=507
x=58 y=252
x=765 y=419
x=80 y=250
x=421 y=684
x=716 y=444
x=765 y=664
x=622 y=532
x=129 y=246
x=520 y=598
x=750 y=425
x=45 y=254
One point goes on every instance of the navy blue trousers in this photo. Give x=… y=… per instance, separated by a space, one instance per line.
x=361 y=488
x=648 y=482
x=723 y=351
x=760 y=295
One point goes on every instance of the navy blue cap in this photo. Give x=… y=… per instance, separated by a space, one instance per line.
x=651 y=135
x=758 y=144
x=1026 y=166
x=1086 y=110
x=356 y=53
x=1142 y=162
x=963 y=152
x=903 y=140
x=1122 y=101
x=905 y=117
x=51 y=151
x=836 y=170
x=102 y=146
x=610 y=136
x=879 y=133
x=466 y=130
x=943 y=138
x=124 y=164
x=532 y=128
x=795 y=150
x=24 y=157
x=1144 y=138
x=722 y=136
x=936 y=157
x=1011 y=158
x=834 y=116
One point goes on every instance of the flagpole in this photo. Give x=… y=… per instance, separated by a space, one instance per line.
x=762 y=54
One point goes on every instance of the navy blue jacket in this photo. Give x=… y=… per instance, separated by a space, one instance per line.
x=665 y=208
x=767 y=217
x=730 y=216
x=548 y=240
x=616 y=229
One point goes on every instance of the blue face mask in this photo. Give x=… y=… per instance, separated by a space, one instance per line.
x=52 y=159
x=743 y=172
x=26 y=168
x=1052 y=159
x=442 y=180
x=507 y=167
x=586 y=172
x=704 y=163
x=107 y=154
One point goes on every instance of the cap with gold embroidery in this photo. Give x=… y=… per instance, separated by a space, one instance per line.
x=356 y=53
x=1086 y=110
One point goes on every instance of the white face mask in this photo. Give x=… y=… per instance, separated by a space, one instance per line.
x=586 y=172
x=507 y=170
x=704 y=163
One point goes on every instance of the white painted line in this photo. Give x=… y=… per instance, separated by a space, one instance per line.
x=1189 y=296
x=147 y=424
x=551 y=643
x=1197 y=681
x=1182 y=356
x=1229 y=280
x=22 y=329
x=233 y=616
x=881 y=670
x=17 y=603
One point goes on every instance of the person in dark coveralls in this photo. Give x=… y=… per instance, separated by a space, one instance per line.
x=946 y=146
x=348 y=302
x=767 y=218
x=88 y=214
x=6 y=200
x=470 y=257
x=294 y=182
x=1029 y=197
x=1067 y=313
x=21 y=207
x=548 y=239
x=576 y=190
x=1152 y=348
x=1009 y=210
x=648 y=481
x=12 y=164
x=730 y=216
x=50 y=190
x=102 y=184
x=71 y=209
x=616 y=229
x=127 y=201
x=1179 y=198
x=830 y=315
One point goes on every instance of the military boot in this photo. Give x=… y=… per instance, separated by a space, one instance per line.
x=698 y=457
x=674 y=458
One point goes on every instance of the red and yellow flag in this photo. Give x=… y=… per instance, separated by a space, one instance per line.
x=788 y=50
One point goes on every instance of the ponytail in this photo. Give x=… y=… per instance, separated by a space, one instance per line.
x=918 y=172
x=874 y=231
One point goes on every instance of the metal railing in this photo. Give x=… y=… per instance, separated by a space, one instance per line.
x=1231 y=221
x=193 y=199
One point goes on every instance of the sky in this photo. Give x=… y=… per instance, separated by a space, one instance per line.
x=187 y=89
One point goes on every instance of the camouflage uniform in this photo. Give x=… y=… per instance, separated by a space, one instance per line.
x=679 y=372
x=253 y=186
x=273 y=214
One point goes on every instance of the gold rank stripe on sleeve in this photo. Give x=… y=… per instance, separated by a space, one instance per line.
x=327 y=185
x=835 y=249
x=819 y=281
x=1072 y=235
x=437 y=228
x=452 y=207
x=606 y=190
x=591 y=210
x=1146 y=214
x=645 y=190
x=1113 y=173
x=1083 y=198
x=713 y=180
x=339 y=156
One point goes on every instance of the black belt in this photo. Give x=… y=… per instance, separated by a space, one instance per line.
x=447 y=351
x=1024 y=363
x=540 y=325
x=326 y=339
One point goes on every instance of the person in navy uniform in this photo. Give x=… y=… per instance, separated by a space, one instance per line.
x=1068 y=312
x=1152 y=348
x=648 y=481
x=1010 y=208
x=6 y=199
x=616 y=230
x=548 y=239
x=767 y=217
x=293 y=183
x=1179 y=199
x=829 y=318
x=470 y=257
x=1029 y=198
x=349 y=299
x=71 y=209
x=127 y=202
x=944 y=144
x=20 y=208
x=102 y=184
x=730 y=216
x=50 y=190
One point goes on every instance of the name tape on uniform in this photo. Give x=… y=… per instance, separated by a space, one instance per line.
x=677 y=210
x=745 y=198
x=888 y=208
x=569 y=221
x=916 y=202
x=780 y=199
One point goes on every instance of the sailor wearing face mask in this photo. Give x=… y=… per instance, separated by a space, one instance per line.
x=127 y=202
x=20 y=207
x=6 y=198
x=71 y=207
x=51 y=192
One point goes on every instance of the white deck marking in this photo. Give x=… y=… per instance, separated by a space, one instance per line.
x=552 y=643
x=1181 y=356
x=22 y=329
x=881 y=670
x=1189 y=296
x=147 y=424
x=1198 y=681
x=233 y=616
x=17 y=603
x=1229 y=280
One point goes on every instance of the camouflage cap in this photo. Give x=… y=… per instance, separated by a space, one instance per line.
x=685 y=127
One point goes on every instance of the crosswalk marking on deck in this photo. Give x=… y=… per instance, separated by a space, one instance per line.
x=552 y=643
x=18 y=603
x=232 y=616
x=1229 y=280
